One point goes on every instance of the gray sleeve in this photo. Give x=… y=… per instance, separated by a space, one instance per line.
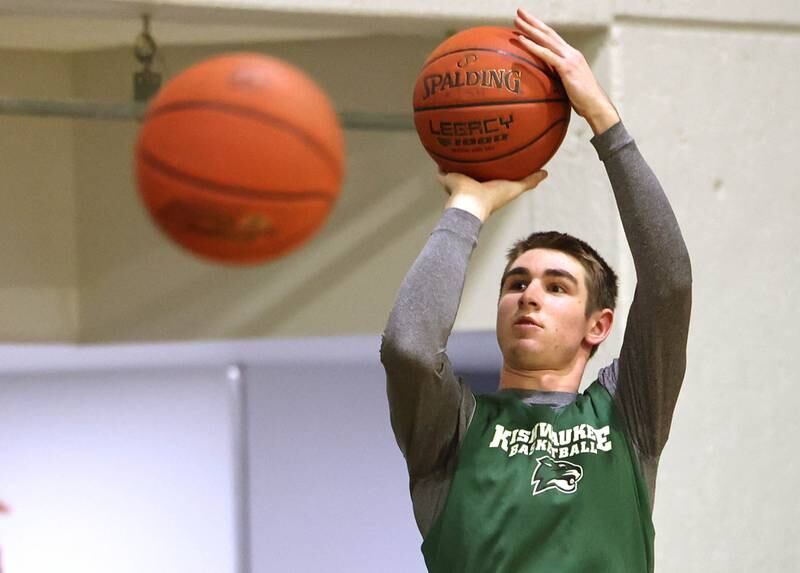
x=429 y=407
x=652 y=360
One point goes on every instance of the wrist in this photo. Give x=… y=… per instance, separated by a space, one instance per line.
x=469 y=204
x=602 y=119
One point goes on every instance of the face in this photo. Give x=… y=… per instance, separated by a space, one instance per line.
x=541 y=313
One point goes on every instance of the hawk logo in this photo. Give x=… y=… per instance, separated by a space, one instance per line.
x=555 y=474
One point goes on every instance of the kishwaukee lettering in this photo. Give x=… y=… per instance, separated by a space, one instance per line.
x=580 y=439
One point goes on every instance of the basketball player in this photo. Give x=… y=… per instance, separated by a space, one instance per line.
x=538 y=477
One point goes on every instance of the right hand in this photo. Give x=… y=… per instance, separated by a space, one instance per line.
x=483 y=199
x=587 y=97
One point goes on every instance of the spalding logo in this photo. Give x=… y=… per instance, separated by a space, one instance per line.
x=500 y=79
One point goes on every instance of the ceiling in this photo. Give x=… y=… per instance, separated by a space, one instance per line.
x=72 y=25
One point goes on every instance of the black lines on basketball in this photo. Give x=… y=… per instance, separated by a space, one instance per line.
x=502 y=155
x=504 y=53
x=240 y=158
x=490 y=104
x=215 y=187
x=487 y=107
x=251 y=114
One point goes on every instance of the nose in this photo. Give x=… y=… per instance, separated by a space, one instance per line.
x=531 y=296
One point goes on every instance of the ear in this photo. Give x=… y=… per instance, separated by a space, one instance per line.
x=599 y=326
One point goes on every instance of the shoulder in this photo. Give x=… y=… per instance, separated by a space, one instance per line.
x=603 y=389
x=608 y=377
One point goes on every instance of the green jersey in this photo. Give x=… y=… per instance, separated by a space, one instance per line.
x=538 y=489
x=555 y=487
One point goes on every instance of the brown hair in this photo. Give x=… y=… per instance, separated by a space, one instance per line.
x=601 y=281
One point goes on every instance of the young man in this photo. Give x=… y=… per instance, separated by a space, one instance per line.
x=539 y=478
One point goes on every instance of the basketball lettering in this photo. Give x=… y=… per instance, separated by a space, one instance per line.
x=459 y=142
x=486 y=107
x=490 y=125
x=508 y=80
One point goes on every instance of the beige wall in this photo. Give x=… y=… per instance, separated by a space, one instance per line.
x=716 y=115
x=38 y=295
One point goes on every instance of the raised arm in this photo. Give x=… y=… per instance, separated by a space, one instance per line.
x=429 y=408
x=647 y=378
x=652 y=361
x=427 y=404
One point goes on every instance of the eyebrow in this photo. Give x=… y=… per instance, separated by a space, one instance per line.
x=562 y=274
x=512 y=272
x=559 y=273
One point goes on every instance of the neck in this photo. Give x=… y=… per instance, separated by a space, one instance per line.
x=545 y=380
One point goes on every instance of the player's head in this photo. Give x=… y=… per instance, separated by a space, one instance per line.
x=601 y=280
x=563 y=284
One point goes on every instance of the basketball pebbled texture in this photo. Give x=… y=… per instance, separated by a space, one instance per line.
x=485 y=107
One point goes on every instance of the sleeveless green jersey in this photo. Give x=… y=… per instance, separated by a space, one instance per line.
x=543 y=490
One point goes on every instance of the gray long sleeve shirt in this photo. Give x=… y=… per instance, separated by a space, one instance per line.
x=431 y=408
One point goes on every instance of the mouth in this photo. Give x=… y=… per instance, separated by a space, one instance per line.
x=526 y=321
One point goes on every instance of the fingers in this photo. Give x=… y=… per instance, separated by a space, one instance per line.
x=539 y=37
x=533 y=180
x=533 y=22
x=545 y=54
x=516 y=188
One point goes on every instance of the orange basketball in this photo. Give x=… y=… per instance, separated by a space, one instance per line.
x=240 y=158
x=485 y=107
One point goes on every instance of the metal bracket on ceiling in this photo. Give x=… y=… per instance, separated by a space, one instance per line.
x=146 y=82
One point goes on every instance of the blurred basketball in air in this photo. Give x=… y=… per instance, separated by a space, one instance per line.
x=239 y=158
x=485 y=107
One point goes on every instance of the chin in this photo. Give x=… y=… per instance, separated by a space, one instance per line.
x=525 y=359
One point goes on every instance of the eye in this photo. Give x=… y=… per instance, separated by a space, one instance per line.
x=557 y=288
x=516 y=285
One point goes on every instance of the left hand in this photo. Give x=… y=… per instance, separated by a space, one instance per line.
x=483 y=199
x=587 y=97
